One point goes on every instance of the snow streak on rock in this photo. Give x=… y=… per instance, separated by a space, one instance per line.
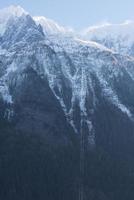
x=69 y=63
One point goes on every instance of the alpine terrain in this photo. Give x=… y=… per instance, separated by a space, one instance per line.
x=66 y=110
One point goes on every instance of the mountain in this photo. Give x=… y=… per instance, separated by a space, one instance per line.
x=50 y=27
x=8 y=13
x=66 y=115
x=119 y=37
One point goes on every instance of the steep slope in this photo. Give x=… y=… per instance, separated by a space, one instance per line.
x=8 y=13
x=50 y=27
x=70 y=77
x=64 y=103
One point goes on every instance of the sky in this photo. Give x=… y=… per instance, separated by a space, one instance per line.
x=78 y=13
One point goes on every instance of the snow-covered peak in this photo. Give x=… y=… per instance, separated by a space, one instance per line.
x=114 y=30
x=9 y=12
x=50 y=27
x=119 y=37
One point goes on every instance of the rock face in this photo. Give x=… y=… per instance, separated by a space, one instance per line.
x=66 y=116
x=119 y=37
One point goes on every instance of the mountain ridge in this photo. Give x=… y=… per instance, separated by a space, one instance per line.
x=67 y=110
x=67 y=47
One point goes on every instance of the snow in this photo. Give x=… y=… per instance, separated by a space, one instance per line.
x=7 y=13
x=4 y=92
x=64 y=56
x=10 y=11
x=113 y=97
x=111 y=30
x=8 y=114
x=118 y=37
x=93 y=44
x=50 y=27
x=80 y=81
x=4 y=88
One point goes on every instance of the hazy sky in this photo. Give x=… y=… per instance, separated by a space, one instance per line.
x=78 y=13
